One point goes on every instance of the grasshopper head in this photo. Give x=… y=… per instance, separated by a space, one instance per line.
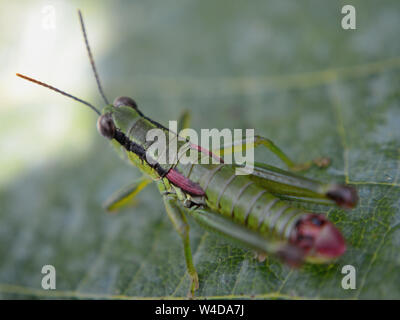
x=106 y=126
x=117 y=116
x=125 y=101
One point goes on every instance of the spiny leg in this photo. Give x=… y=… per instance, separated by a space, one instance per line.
x=241 y=145
x=290 y=186
x=178 y=219
x=247 y=237
x=126 y=195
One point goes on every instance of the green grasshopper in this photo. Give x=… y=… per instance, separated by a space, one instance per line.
x=249 y=209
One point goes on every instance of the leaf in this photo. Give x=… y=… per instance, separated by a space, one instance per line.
x=287 y=70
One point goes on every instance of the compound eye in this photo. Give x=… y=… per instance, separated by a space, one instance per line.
x=125 y=101
x=106 y=126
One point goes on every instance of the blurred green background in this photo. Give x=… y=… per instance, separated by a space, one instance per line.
x=285 y=68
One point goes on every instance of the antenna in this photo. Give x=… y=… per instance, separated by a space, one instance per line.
x=59 y=91
x=91 y=58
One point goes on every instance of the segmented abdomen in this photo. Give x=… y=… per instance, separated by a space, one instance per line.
x=240 y=199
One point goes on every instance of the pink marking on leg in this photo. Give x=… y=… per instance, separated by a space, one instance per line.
x=206 y=152
x=184 y=183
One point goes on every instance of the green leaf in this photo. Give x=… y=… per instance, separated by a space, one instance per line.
x=286 y=69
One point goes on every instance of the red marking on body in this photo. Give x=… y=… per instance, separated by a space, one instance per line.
x=206 y=152
x=318 y=237
x=184 y=183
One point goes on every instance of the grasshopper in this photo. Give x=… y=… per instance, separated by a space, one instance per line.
x=250 y=209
